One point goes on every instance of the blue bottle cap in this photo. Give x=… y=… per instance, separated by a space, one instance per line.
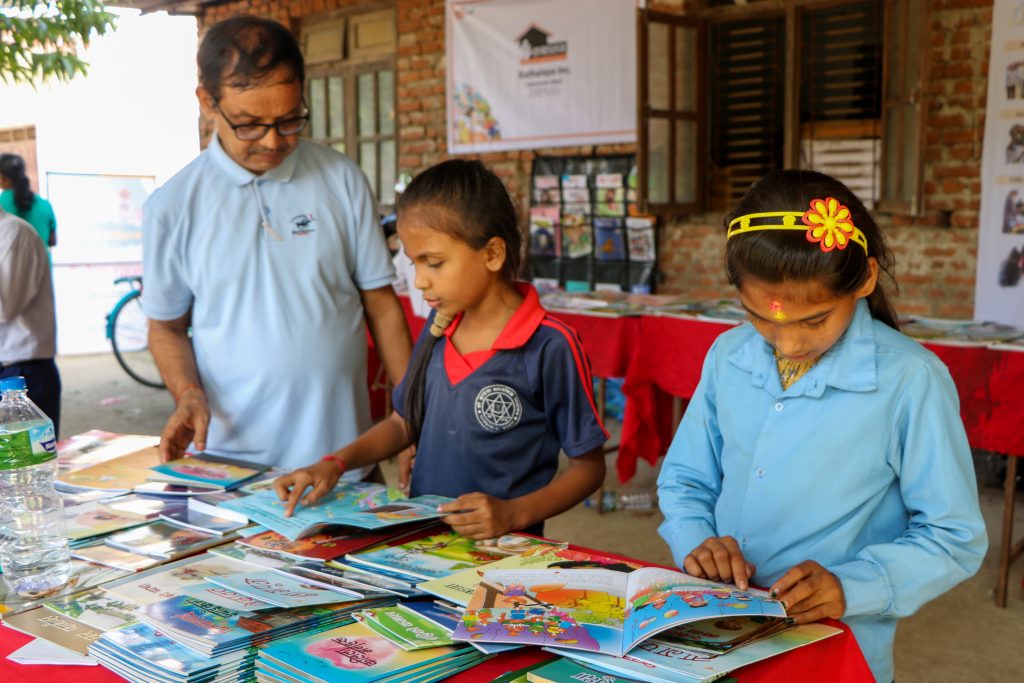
x=12 y=384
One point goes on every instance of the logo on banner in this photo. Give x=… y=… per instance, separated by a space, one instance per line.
x=535 y=43
x=498 y=408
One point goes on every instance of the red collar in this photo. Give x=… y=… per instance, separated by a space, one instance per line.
x=520 y=327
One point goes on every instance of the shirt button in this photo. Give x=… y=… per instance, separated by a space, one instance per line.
x=759 y=471
x=778 y=407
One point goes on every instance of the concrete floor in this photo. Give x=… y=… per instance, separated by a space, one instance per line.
x=959 y=637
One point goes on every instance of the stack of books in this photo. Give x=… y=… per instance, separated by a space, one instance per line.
x=356 y=653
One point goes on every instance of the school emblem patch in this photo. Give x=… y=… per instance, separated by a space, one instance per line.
x=498 y=408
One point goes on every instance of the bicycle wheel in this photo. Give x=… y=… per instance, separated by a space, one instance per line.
x=130 y=340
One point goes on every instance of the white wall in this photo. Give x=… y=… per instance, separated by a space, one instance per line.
x=135 y=113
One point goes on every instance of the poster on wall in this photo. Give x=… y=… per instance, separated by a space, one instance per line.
x=999 y=289
x=99 y=217
x=540 y=73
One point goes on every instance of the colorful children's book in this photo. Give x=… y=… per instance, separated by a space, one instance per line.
x=357 y=504
x=96 y=519
x=458 y=588
x=567 y=671
x=405 y=628
x=170 y=580
x=640 y=233
x=337 y=579
x=95 y=446
x=254 y=557
x=281 y=590
x=444 y=554
x=215 y=594
x=544 y=230
x=174 y=661
x=333 y=542
x=598 y=609
x=206 y=471
x=577 y=240
x=114 y=557
x=120 y=474
x=200 y=521
x=163 y=541
x=609 y=239
x=353 y=653
x=55 y=627
x=95 y=608
x=658 y=660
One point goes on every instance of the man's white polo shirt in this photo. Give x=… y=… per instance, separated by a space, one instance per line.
x=271 y=267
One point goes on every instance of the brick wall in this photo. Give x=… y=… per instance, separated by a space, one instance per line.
x=936 y=253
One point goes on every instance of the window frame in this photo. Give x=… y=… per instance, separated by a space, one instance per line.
x=703 y=16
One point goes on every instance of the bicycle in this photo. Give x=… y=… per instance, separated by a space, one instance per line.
x=128 y=332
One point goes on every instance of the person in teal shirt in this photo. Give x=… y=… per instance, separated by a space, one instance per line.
x=822 y=455
x=18 y=198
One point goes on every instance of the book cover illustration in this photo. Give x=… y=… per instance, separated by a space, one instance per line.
x=576 y=195
x=56 y=628
x=114 y=557
x=282 y=590
x=253 y=557
x=95 y=519
x=215 y=594
x=544 y=230
x=459 y=587
x=640 y=233
x=162 y=540
x=352 y=653
x=200 y=521
x=336 y=579
x=545 y=189
x=357 y=504
x=574 y=180
x=331 y=543
x=596 y=609
x=577 y=241
x=443 y=554
x=610 y=239
x=606 y=180
x=575 y=214
x=169 y=580
x=660 y=660
x=205 y=470
x=610 y=201
x=96 y=608
x=118 y=474
x=565 y=671
x=96 y=445
x=405 y=628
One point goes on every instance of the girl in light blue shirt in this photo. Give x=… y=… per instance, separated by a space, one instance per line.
x=822 y=454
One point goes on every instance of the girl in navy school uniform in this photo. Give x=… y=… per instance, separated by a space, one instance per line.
x=496 y=387
x=822 y=454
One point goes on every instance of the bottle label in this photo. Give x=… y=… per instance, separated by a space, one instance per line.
x=33 y=446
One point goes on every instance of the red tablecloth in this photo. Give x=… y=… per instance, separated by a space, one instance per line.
x=836 y=660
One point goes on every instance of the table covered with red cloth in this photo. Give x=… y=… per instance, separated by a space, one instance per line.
x=837 y=660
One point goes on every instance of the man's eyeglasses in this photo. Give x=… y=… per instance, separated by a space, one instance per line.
x=250 y=132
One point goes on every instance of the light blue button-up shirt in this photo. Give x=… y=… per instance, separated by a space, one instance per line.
x=861 y=465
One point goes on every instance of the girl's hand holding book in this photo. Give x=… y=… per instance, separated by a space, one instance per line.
x=719 y=558
x=809 y=592
x=321 y=477
x=479 y=516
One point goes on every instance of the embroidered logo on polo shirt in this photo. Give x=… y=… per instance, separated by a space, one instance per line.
x=303 y=224
x=498 y=408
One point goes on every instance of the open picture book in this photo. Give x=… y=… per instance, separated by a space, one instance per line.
x=599 y=610
x=352 y=503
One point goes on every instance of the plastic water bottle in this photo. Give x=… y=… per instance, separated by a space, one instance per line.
x=639 y=501
x=34 y=551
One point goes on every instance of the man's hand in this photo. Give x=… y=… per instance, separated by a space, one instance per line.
x=479 y=516
x=809 y=592
x=321 y=476
x=187 y=424
x=719 y=558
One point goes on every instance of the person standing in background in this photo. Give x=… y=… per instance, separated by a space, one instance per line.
x=18 y=198
x=28 y=326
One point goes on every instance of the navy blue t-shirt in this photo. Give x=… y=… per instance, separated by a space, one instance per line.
x=499 y=429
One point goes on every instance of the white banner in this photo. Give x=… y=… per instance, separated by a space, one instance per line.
x=540 y=73
x=999 y=288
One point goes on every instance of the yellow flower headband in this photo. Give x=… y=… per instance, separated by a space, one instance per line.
x=827 y=223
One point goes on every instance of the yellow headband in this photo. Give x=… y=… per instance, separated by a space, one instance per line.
x=827 y=223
